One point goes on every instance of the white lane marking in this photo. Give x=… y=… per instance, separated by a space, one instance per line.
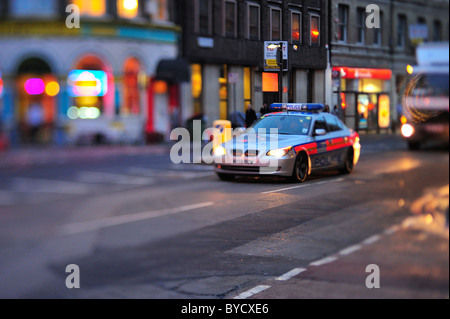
x=350 y=250
x=302 y=185
x=291 y=274
x=101 y=177
x=28 y=185
x=83 y=227
x=324 y=261
x=372 y=239
x=392 y=230
x=149 y=172
x=252 y=292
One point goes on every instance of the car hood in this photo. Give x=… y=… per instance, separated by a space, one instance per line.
x=265 y=141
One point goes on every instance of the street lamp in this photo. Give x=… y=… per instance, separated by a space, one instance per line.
x=279 y=48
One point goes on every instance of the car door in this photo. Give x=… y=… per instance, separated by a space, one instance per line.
x=320 y=160
x=336 y=141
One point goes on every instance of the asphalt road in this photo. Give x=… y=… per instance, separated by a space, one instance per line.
x=138 y=226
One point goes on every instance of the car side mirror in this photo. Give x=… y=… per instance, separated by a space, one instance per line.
x=320 y=132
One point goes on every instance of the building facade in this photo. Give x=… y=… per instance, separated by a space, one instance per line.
x=370 y=59
x=94 y=80
x=224 y=42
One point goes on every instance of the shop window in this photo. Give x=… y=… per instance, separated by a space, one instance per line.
x=93 y=8
x=131 y=91
x=197 y=87
x=26 y=8
x=270 y=82
x=91 y=86
x=223 y=92
x=247 y=86
x=127 y=9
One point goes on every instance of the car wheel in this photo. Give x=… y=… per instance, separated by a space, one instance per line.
x=226 y=177
x=301 y=168
x=349 y=165
x=414 y=146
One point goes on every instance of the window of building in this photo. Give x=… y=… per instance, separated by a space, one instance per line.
x=39 y=8
x=343 y=23
x=361 y=25
x=315 y=30
x=203 y=20
x=401 y=31
x=437 y=31
x=254 y=21
x=296 y=26
x=127 y=9
x=378 y=32
x=91 y=8
x=230 y=18
x=158 y=10
x=275 y=24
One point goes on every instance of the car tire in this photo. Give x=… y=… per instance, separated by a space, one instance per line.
x=349 y=165
x=226 y=177
x=301 y=168
x=414 y=146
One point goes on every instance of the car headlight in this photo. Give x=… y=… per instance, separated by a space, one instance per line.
x=279 y=152
x=408 y=130
x=220 y=151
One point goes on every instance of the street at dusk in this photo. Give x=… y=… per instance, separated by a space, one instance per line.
x=140 y=227
x=224 y=156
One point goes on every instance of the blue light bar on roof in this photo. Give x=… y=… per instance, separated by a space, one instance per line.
x=297 y=107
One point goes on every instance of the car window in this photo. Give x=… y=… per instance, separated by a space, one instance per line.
x=321 y=124
x=333 y=124
x=285 y=124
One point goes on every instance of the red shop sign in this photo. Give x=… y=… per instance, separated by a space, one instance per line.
x=357 y=73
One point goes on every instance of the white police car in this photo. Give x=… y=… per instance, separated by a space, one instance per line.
x=294 y=141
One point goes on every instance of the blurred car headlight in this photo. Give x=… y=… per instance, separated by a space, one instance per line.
x=220 y=151
x=279 y=152
x=407 y=130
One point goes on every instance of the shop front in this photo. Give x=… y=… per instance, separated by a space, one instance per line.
x=362 y=98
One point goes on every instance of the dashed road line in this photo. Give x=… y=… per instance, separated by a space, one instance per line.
x=291 y=274
x=252 y=292
x=302 y=186
x=350 y=250
x=324 y=261
x=83 y=227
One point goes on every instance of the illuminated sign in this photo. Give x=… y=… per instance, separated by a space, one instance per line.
x=357 y=73
x=84 y=83
x=34 y=86
x=1 y=85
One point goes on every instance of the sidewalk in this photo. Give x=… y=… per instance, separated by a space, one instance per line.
x=33 y=156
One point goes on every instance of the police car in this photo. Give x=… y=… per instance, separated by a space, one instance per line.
x=295 y=141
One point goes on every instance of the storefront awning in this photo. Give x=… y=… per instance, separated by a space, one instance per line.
x=173 y=71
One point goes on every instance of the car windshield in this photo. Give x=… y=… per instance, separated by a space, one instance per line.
x=285 y=124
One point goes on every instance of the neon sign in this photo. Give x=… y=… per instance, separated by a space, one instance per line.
x=1 y=85
x=34 y=86
x=83 y=83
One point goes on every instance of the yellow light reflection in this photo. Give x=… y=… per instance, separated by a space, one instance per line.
x=127 y=8
x=52 y=89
